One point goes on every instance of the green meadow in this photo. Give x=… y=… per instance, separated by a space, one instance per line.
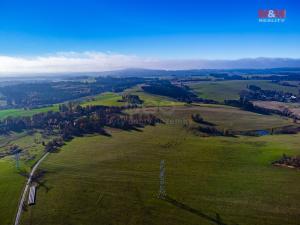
x=12 y=182
x=114 y=99
x=106 y=99
x=10 y=190
x=115 y=180
x=225 y=90
x=214 y=180
x=25 y=112
x=153 y=100
x=224 y=117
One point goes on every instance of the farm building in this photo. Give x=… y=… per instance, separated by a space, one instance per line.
x=32 y=195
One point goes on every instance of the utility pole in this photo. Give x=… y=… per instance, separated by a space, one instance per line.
x=162 y=189
x=17 y=157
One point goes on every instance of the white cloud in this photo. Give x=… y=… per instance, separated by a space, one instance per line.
x=98 y=61
x=68 y=62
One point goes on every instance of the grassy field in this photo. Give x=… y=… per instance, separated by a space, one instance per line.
x=153 y=100
x=107 y=99
x=112 y=99
x=224 y=90
x=11 y=181
x=224 y=117
x=115 y=180
x=22 y=112
x=10 y=189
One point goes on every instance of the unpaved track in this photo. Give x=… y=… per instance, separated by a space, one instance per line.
x=20 y=208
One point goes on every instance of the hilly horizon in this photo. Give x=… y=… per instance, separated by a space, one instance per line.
x=138 y=112
x=91 y=65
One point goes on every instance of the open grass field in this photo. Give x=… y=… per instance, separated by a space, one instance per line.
x=107 y=99
x=11 y=181
x=225 y=117
x=112 y=99
x=96 y=178
x=225 y=90
x=10 y=189
x=22 y=112
x=153 y=100
x=115 y=180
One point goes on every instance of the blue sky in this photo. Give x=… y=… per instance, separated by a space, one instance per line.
x=211 y=29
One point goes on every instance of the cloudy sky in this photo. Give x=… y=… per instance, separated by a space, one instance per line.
x=89 y=35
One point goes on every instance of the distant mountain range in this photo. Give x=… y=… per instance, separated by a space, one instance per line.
x=246 y=63
x=135 y=72
x=185 y=67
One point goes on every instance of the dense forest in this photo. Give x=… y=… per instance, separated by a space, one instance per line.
x=31 y=95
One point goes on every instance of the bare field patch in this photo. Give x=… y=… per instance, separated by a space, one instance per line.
x=294 y=108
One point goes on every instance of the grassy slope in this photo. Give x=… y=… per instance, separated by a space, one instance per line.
x=102 y=180
x=107 y=99
x=10 y=188
x=224 y=90
x=111 y=99
x=153 y=100
x=11 y=181
x=10 y=177
x=23 y=112
x=223 y=116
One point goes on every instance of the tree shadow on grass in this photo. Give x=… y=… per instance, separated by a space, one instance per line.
x=38 y=179
x=217 y=219
x=43 y=184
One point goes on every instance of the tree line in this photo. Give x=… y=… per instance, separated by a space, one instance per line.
x=33 y=95
x=132 y=99
x=74 y=120
x=256 y=93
